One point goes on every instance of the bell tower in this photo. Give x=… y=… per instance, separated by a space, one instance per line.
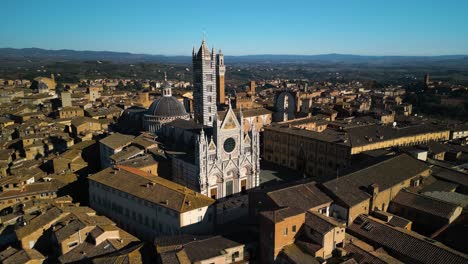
x=220 y=71
x=204 y=84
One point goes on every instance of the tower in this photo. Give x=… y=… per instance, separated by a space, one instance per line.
x=427 y=79
x=66 y=99
x=204 y=84
x=253 y=86
x=220 y=71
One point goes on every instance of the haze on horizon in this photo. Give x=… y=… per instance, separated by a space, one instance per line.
x=301 y=27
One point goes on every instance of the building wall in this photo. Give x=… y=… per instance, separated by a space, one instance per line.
x=459 y=134
x=78 y=238
x=328 y=241
x=318 y=158
x=356 y=210
x=381 y=200
x=404 y=141
x=259 y=122
x=273 y=236
x=88 y=126
x=71 y=113
x=105 y=154
x=313 y=157
x=145 y=219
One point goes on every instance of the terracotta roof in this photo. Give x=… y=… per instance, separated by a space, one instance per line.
x=279 y=215
x=117 y=140
x=450 y=175
x=137 y=162
x=47 y=218
x=152 y=188
x=126 y=154
x=425 y=204
x=403 y=244
x=303 y=196
x=351 y=188
x=199 y=250
x=24 y=256
x=33 y=188
x=321 y=223
x=193 y=249
x=362 y=256
x=294 y=254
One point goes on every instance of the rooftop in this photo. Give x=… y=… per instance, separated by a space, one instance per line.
x=425 y=204
x=281 y=214
x=351 y=188
x=152 y=188
x=117 y=140
x=303 y=196
x=406 y=245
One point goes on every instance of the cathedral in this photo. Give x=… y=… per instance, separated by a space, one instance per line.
x=210 y=152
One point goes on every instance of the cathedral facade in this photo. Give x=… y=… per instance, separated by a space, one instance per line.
x=212 y=155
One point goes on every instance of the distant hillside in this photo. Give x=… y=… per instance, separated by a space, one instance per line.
x=35 y=54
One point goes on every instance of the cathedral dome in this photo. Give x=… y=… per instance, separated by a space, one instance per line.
x=167 y=106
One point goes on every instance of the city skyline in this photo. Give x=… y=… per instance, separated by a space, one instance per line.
x=419 y=28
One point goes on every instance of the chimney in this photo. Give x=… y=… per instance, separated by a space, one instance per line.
x=373 y=189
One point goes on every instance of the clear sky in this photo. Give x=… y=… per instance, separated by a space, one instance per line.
x=239 y=27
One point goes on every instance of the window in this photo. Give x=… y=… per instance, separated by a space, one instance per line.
x=74 y=244
x=235 y=255
x=294 y=228
x=209 y=99
x=285 y=232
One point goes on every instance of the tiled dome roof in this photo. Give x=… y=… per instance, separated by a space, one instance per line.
x=167 y=106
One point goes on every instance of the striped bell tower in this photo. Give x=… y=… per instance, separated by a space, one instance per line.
x=204 y=84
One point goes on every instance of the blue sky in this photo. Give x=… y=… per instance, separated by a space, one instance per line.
x=238 y=27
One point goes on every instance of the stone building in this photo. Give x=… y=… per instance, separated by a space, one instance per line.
x=214 y=153
x=225 y=160
x=70 y=112
x=111 y=145
x=323 y=153
x=192 y=249
x=148 y=205
x=374 y=187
